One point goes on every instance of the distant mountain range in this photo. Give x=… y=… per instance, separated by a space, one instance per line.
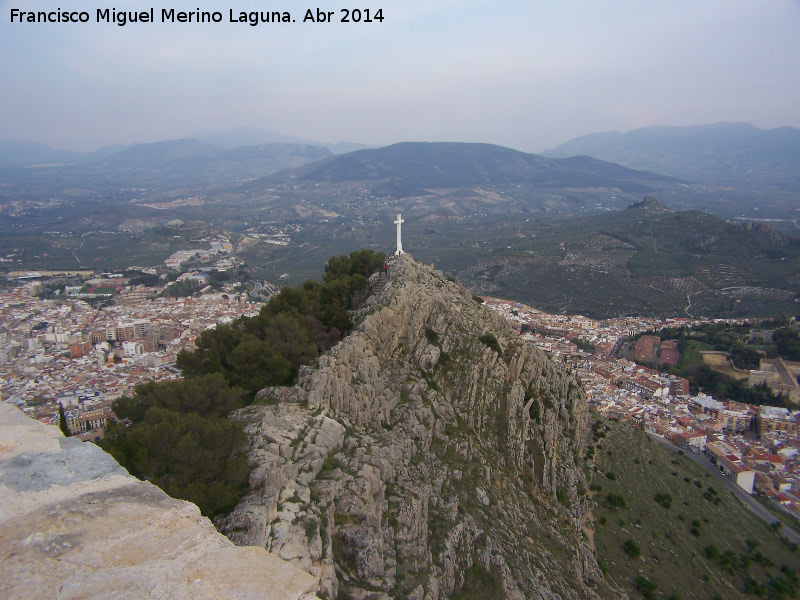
x=17 y=153
x=248 y=136
x=192 y=163
x=723 y=154
x=720 y=154
x=162 y=166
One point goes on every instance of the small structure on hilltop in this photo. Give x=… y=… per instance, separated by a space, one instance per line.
x=399 y=222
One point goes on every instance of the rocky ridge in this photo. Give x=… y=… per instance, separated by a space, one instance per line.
x=430 y=455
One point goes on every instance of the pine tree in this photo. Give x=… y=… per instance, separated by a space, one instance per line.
x=62 y=421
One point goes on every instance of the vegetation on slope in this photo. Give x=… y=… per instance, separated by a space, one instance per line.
x=177 y=435
x=291 y=330
x=646 y=260
x=674 y=528
x=641 y=261
x=447 y=164
x=744 y=345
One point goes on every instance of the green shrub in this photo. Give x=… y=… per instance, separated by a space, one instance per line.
x=491 y=341
x=290 y=330
x=311 y=527
x=202 y=460
x=728 y=561
x=614 y=501
x=646 y=587
x=535 y=412
x=431 y=336
x=631 y=549
x=754 y=588
x=664 y=500
x=603 y=567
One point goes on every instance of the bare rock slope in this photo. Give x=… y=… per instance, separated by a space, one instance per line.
x=430 y=455
x=74 y=524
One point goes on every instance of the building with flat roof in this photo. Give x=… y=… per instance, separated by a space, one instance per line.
x=774 y=419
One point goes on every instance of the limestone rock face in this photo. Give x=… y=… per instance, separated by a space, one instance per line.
x=74 y=524
x=431 y=450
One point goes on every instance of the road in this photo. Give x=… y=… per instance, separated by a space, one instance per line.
x=256 y=292
x=751 y=503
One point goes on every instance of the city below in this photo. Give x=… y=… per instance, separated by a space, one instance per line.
x=64 y=352
x=757 y=447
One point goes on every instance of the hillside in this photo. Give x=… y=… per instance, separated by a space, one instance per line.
x=419 y=179
x=40 y=196
x=723 y=153
x=475 y=181
x=441 y=165
x=646 y=259
x=431 y=454
x=678 y=528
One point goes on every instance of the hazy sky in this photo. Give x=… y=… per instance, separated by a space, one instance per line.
x=528 y=75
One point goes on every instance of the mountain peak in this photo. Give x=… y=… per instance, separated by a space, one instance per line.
x=651 y=205
x=452 y=164
x=411 y=443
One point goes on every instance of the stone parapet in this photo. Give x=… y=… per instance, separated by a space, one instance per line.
x=74 y=524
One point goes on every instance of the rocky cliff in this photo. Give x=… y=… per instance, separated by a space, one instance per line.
x=430 y=455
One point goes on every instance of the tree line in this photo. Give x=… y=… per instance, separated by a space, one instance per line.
x=177 y=434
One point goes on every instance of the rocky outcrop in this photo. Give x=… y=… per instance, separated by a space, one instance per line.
x=74 y=524
x=431 y=454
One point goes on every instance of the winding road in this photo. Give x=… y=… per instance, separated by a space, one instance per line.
x=689 y=298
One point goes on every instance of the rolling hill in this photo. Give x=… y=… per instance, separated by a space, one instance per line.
x=646 y=259
x=723 y=153
x=444 y=164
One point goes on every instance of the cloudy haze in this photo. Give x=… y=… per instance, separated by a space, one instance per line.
x=526 y=75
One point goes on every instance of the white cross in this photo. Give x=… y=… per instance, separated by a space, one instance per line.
x=399 y=222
